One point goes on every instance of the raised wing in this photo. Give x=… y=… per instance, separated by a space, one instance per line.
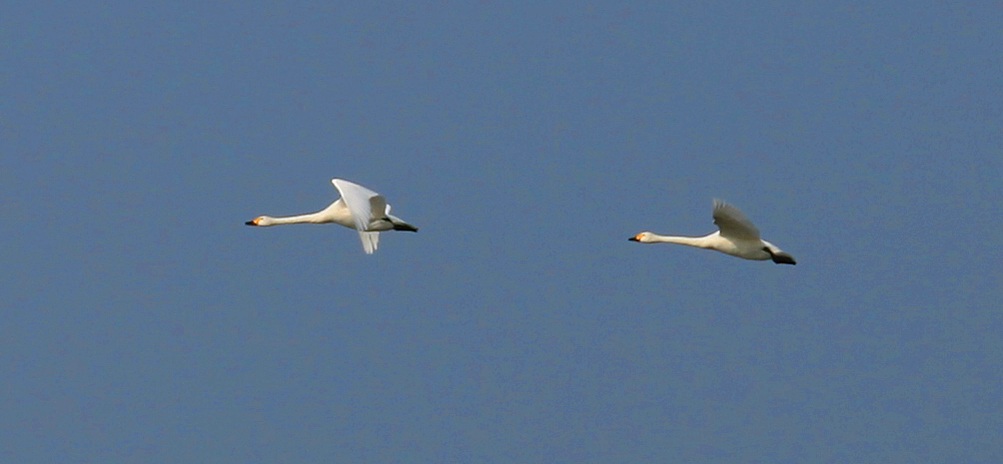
x=365 y=205
x=733 y=223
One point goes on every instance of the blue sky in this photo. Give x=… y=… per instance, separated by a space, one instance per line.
x=143 y=322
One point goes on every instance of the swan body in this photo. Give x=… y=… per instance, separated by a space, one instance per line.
x=737 y=236
x=358 y=208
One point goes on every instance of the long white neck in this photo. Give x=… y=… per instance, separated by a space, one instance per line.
x=699 y=242
x=311 y=218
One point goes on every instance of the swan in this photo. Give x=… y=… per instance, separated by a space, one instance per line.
x=737 y=237
x=358 y=208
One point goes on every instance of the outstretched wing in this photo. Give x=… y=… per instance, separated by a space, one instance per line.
x=365 y=205
x=733 y=223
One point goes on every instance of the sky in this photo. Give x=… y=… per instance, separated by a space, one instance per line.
x=143 y=322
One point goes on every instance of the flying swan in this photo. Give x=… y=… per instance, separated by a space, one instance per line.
x=737 y=237
x=358 y=208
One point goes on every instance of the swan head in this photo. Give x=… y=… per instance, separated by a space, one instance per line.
x=260 y=221
x=643 y=237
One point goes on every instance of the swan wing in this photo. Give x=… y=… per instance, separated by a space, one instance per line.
x=391 y=217
x=370 y=241
x=364 y=205
x=733 y=223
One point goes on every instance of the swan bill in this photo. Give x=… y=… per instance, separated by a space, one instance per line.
x=250 y=223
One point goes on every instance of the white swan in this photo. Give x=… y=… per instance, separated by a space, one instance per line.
x=358 y=208
x=737 y=237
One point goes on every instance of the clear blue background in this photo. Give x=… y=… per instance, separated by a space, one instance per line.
x=143 y=322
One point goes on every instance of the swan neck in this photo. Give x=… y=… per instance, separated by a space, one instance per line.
x=699 y=242
x=298 y=219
